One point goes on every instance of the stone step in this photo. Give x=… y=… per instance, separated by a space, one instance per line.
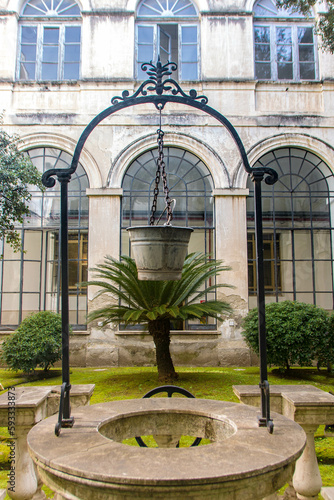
x=327 y=493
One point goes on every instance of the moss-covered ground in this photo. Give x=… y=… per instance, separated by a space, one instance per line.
x=208 y=383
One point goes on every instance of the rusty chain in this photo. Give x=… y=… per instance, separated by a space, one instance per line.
x=161 y=172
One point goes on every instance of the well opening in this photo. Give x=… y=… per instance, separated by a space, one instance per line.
x=166 y=429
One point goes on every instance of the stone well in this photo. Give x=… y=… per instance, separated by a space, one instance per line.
x=242 y=462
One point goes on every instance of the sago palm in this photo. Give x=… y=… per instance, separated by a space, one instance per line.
x=156 y=303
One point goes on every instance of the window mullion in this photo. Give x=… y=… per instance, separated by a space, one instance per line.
x=273 y=50
x=39 y=54
x=179 y=49
x=295 y=54
x=61 y=54
x=156 y=37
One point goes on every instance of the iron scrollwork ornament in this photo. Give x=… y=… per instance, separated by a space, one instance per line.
x=157 y=84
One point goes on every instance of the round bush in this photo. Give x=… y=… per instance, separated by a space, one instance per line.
x=36 y=342
x=297 y=334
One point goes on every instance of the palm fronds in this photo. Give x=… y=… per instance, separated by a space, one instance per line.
x=134 y=301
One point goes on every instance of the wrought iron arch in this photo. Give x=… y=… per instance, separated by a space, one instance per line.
x=158 y=83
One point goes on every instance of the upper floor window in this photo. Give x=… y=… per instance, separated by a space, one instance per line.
x=169 y=29
x=284 y=44
x=50 y=39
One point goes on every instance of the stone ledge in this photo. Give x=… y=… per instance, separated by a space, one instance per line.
x=302 y=403
x=32 y=404
x=327 y=493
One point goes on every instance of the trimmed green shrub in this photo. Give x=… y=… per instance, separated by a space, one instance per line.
x=297 y=334
x=36 y=342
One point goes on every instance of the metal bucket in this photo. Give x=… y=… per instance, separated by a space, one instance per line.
x=159 y=251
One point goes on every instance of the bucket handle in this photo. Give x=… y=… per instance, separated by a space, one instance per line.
x=167 y=223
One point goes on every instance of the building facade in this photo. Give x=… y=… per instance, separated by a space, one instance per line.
x=62 y=61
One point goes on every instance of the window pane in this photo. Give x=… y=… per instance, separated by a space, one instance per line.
x=72 y=53
x=29 y=34
x=49 y=71
x=283 y=35
x=145 y=34
x=164 y=41
x=285 y=71
x=189 y=53
x=262 y=52
x=306 y=53
x=72 y=34
x=164 y=8
x=263 y=71
x=28 y=53
x=145 y=53
x=51 y=35
x=189 y=34
x=261 y=34
x=305 y=35
x=71 y=71
x=50 y=54
x=189 y=71
x=284 y=53
x=32 y=276
x=307 y=71
x=27 y=71
x=54 y=8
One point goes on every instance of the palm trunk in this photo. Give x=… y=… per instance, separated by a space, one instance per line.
x=160 y=330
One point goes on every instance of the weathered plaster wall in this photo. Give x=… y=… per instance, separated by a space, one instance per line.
x=266 y=115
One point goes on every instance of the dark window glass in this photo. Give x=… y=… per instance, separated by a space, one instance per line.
x=263 y=71
x=297 y=229
x=31 y=280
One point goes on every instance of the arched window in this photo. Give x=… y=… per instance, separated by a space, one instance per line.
x=284 y=44
x=168 y=29
x=190 y=184
x=50 y=39
x=30 y=281
x=298 y=243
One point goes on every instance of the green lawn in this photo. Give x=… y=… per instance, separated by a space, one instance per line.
x=207 y=383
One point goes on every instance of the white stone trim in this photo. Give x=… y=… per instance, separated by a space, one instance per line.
x=104 y=192
x=304 y=141
x=230 y=192
x=199 y=4
x=47 y=140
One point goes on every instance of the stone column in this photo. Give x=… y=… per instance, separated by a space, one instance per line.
x=306 y=479
x=20 y=409
x=23 y=481
x=231 y=246
x=231 y=238
x=104 y=226
x=104 y=239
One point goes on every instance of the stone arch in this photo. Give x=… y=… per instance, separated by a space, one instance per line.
x=201 y=5
x=211 y=159
x=304 y=141
x=17 y=5
x=67 y=144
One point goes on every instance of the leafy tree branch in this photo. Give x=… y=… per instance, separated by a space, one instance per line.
x=325 y=23
x=16 y=174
